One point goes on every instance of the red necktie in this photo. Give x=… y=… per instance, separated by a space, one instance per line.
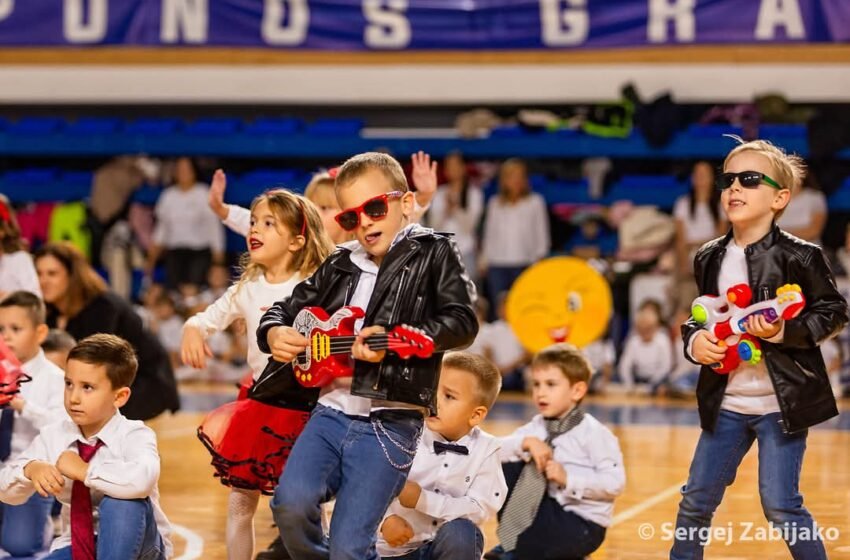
x=82 y=519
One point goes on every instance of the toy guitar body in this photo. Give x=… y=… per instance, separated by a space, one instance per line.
x=11 y=375
x=328 y=355
x=727 y=317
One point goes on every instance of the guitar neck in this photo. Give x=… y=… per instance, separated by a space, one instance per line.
x=342 y=344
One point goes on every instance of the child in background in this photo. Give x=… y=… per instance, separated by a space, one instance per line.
x=601 y=355
x=167 y=325
x=286 y=244
x=456 y=481
x=218 y=280
x=497 y=342
x=399 y=273
x=778 y=399
x=647 y=358
x=685 y=374
x=25 y=527
x=56 y=346
x=101 y=466
x=564 y=460
x=833 y=360
x=17 y=271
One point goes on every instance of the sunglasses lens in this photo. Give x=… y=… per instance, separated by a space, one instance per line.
x=750 y=179
x=348 y=220
x=376 y=208
x=725 y=180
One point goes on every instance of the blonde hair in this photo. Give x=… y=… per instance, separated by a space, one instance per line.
x=361 y=164
x=503 y=170
x=789 y=170
x=320 y=180
x=300 y=217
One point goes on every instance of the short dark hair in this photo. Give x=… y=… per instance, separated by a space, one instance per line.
x=487 y=375
x=567 y=358
x=110 y=351
x=58 y=341
x=361 y=164
x=30 y=302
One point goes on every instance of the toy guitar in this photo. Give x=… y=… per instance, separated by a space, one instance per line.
x=11 y=375
x=328 y=355
x=727 y=317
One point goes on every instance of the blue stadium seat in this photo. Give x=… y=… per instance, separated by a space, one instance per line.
x=30 y=185
x=35 y=125
x=507 y=131
x=658 y=190
x=782 y=130
x=565 y=192
x=213 y=126
x=275 y=125
x=840 y=199
x=160 y=126
x=713 y=130
x=148 y=195
x=335 y=127
x=94 y=125
x=74 y=185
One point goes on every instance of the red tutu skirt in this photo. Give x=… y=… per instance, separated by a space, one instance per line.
x=250 y=442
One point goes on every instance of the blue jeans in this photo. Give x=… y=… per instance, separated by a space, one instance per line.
x=343 y=456
x=25 y=529
x=459 y=539
x=713 y=468
x=127 y=531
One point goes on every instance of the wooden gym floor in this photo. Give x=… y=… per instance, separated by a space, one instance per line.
x=657 y=439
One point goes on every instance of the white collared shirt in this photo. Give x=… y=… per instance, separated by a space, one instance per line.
x=341 y=398
x=126 y=468
x=184 y=220
x=250 y=300
x=43 y=401
x=590 y=454
x=454 y=486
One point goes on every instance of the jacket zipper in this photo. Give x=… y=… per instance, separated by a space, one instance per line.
x=392 y=320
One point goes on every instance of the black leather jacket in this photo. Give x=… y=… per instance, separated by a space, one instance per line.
x=421 y=282
x=795 y=365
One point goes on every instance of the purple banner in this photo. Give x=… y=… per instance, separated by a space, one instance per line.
x=386 y=25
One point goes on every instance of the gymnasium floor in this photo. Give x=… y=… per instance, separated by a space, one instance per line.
x=657 y=439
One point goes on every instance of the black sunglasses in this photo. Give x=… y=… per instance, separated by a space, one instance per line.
x=748 y=180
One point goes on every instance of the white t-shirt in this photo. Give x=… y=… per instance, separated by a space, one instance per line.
x=749 y=390
x=700 y=227
x=650 y=361
x=184 y=220
x=499 y=339
x=516 y=234
x=249 y=301
x=17 y=272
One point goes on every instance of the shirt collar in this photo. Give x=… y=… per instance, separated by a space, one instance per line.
x=363 y=260
x=429 y=437
x=109 y=434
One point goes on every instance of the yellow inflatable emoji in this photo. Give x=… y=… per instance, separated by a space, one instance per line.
x=562 y=299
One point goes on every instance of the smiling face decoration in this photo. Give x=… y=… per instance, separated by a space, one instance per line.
x=562 y=299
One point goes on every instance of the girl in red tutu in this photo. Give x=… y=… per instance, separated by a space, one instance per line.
x=250 y=440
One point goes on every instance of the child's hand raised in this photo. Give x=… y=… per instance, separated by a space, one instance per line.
x=539 y=451
x=46 y=478
x=758 y=326
x=286 y=343
x=193 y=348
x=706 y=349
x=396 y=531
x=216 y=195
x=361 y=350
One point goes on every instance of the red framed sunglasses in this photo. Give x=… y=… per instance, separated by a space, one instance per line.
x=376 y=208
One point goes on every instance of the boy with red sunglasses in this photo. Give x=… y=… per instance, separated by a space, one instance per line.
x=360 y=441
x=778 y=399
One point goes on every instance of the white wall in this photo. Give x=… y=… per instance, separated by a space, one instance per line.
x=416 y=83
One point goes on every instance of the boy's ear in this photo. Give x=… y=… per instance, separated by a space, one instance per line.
x=578 y=390
x=407 y=204
x=479 y=413
x=122 y=395
x=41 y=333
x=781 y=199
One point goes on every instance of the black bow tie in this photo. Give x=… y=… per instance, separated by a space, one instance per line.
x=440 y=447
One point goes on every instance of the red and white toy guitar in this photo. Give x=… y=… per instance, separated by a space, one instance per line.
x=328 y=355
x=11 y=375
